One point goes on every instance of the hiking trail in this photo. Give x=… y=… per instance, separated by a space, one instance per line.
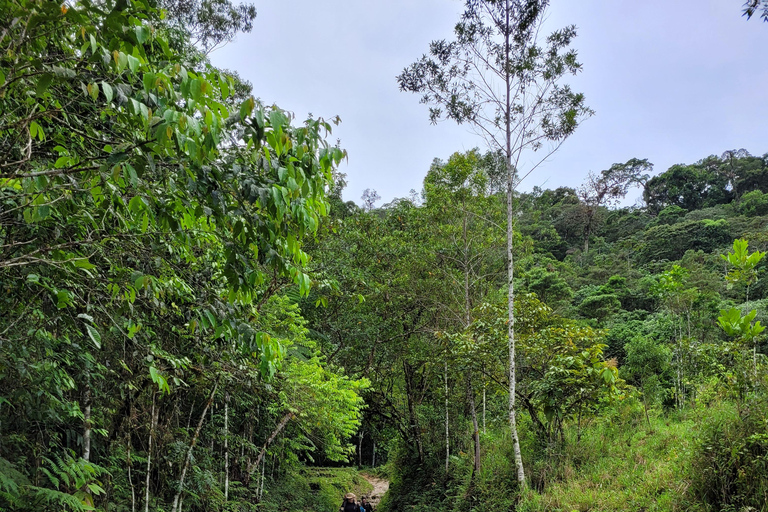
x=380 y=487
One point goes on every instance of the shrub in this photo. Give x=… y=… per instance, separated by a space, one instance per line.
x=731 y=460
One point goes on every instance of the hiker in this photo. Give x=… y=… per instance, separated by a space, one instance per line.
x=365 y=505
x=349 y=504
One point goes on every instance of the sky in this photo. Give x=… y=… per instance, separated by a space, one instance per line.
x=672 y=81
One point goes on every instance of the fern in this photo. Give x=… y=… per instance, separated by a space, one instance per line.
x=11 y=484
x=70 y=502
x=72 y=480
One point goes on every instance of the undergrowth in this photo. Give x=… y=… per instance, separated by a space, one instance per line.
x=702 y=459
x=313 y=490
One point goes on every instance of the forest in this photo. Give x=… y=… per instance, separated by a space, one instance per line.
x=194 y=318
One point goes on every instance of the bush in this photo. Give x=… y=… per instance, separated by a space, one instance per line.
x=731 y=460
x=753 y=204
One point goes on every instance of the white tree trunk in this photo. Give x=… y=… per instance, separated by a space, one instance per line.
x=511 y=333
x=130 y=478
x=87 y=425
x=484 y=408
x=475 y=426
x=226 y=447
x=447 y=432
x=263 y=469
x=360 y=449
x=510 y=257
x=152 y=426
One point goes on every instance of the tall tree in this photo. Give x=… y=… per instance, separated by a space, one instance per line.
x=504 y=79
x=610 y=186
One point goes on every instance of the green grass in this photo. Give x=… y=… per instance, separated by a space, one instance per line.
x=619 y=464
x=314 y=490
x=622 y=465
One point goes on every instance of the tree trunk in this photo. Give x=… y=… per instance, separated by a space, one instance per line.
x=511 y=325
x=484 y=408
x=87 y=424
x=475 y=427
x=510 y=257
x=130 y=478
x=261 y=487
x=587 y=232
x=360 y=449
x=280 y=426
x=447 y=432
x=188 y=458
x=226 y=447
x=152 y=425
x=414 y=421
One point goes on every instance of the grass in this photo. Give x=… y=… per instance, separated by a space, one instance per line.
x=314 y=490
x=622 y=465
x=619 y=464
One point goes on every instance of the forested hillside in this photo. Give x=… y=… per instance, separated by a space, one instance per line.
x=647 y=345
x=193 y=318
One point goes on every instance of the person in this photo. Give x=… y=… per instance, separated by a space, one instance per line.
x=365 y=505
x=349 y=504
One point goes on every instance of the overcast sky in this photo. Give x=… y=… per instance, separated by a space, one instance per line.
x=670 y=80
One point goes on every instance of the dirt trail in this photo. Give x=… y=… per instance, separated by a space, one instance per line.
x=380 y=487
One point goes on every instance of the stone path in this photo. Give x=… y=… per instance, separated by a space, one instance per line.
x=380 y=487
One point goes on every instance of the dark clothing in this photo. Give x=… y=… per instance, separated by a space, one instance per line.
x=349 y=507
x=367 y=507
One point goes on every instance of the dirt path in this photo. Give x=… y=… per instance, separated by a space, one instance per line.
x=380 y=487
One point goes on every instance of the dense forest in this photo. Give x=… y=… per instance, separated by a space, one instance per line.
x=193 y=317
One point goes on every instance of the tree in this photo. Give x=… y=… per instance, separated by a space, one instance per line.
x=753 y=6
x=147 y=216
x=743 y=270
x=688 y=186
x=500 y=77
x=370 y=197
x=470 y=259
x=610 y=187
x=209 y=23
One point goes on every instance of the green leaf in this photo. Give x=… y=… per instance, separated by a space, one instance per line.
x=63 y=298
x=195 y=89
x=149 y=81
x=93 y=91
x=94 y=335
x=43 y=84
x=136 y=204
x=142 y=34
x=36 y=130
x=63 y=72
x=108 y=92
x=246 y=108
x=84 y=263
x=122 y=61
x=133 y=63
x=223 y=86
x=135 y=107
